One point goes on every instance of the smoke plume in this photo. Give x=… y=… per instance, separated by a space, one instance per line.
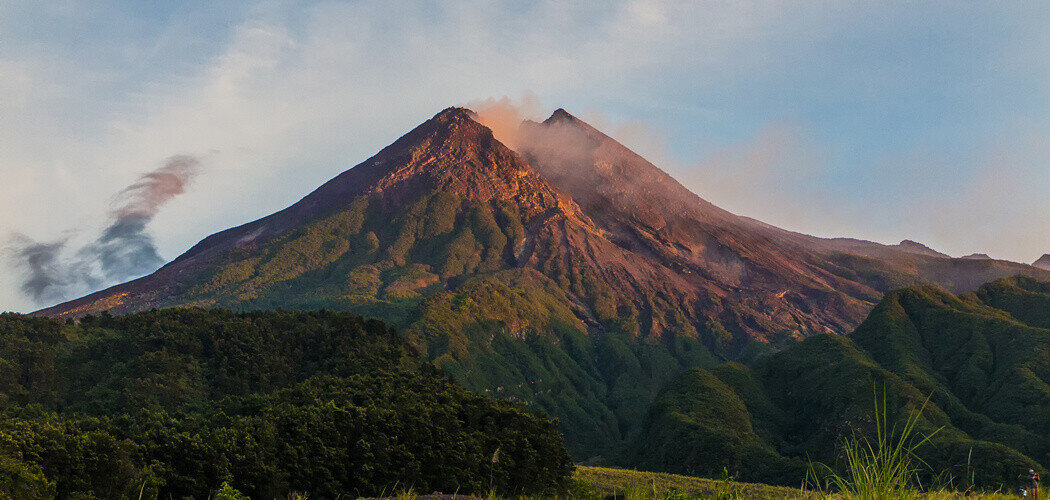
x=556 y=144
x=54 y=272
x=504 y=117
x=764 y=177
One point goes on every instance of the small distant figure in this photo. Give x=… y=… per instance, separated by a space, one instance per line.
x=1033 y=483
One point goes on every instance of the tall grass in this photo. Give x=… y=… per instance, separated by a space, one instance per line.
x=879 y=468
x=409 y=494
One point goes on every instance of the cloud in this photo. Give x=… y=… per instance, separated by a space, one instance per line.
x=54 y=272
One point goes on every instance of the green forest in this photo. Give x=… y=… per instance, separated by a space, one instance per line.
x=174 y=403
x=181 y=402
x=981 y=359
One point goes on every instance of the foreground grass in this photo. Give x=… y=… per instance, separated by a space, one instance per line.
x=882 y=467
x=597 y=482
x=600 y=482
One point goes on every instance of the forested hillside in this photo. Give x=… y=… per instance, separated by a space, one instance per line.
x=176 y=402
x=982 y=358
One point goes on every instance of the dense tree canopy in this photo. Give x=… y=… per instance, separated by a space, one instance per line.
x=177 y=402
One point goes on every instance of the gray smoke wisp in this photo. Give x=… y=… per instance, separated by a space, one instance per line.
x=123 y=250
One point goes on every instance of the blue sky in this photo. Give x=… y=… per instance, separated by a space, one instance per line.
x=879 y=120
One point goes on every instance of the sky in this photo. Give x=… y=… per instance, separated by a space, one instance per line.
x=885 y=121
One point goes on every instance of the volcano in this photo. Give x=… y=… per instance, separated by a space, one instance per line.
x=570 y=273
x=625 y=242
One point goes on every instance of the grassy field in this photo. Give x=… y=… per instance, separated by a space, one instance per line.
x=600 y=482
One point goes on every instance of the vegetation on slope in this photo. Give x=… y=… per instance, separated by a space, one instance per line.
x=177 y=402
x=984 y=370
x=515 y=333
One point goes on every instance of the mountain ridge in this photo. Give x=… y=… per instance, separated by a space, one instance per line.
x=976 y=364
x=612 y=183
x=916 y=247
x=569 y=272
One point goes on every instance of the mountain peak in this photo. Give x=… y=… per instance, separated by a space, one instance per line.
x=566 y=122
x=918 y=248
x=600 y=173
x=450 y=151
x=561 y=115
x=976 y=256
x=1043 y=262
x=453 y=113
